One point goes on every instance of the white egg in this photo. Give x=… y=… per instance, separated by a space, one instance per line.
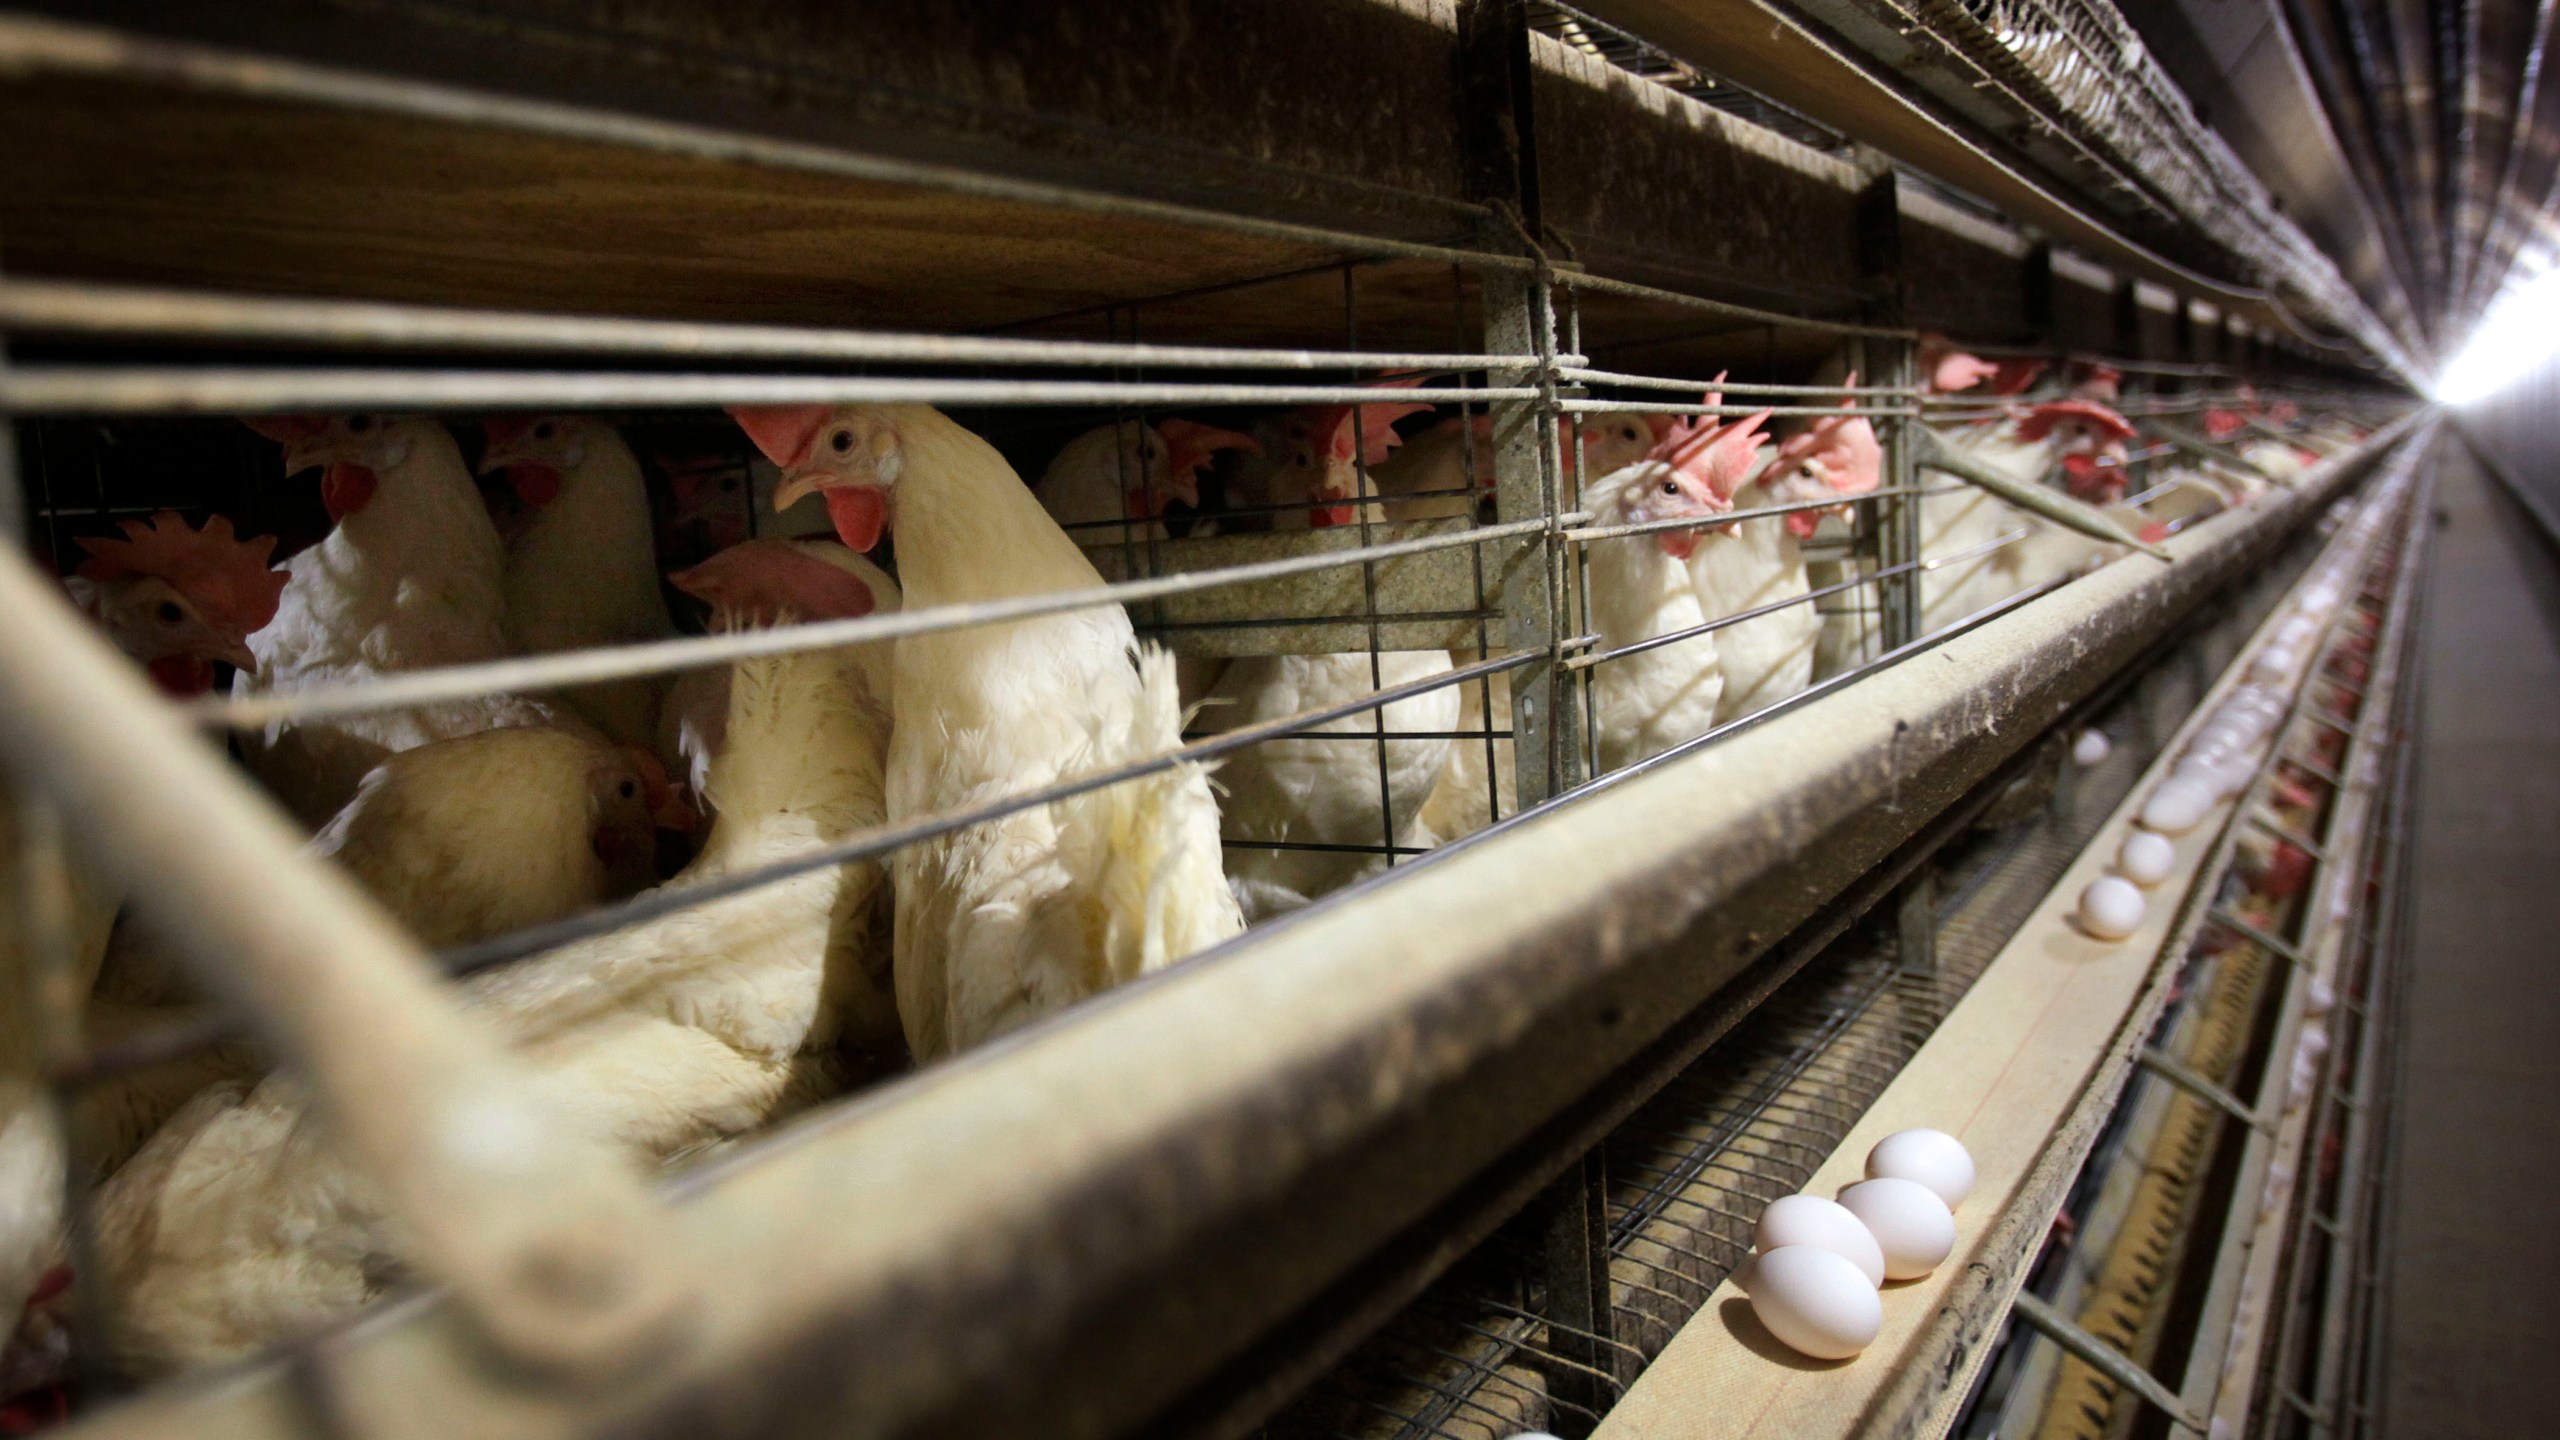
x=1812 y=1220
x=2177 y=806
x=1816 y=1302
x=2145 y=858
x=1911 y=1224
x=1930 y=1157
x=2273 y=663
x=2091 y=747
x=2111 y=908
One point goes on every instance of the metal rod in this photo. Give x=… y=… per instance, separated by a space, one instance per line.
x=2178 y=1072
x=1734 y=517
x=246 y=390
x=64 y=307
x=2040 y=1316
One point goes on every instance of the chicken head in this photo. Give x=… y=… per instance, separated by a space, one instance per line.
x=1325 y=448
x=849 y=455
x=350 y=451
x=179 y=599
x=1173 y=470
x=535 y=453
x=1835 y=455
x=2090 y=439
x=630 y=799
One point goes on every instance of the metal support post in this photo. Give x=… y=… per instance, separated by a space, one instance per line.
x=1581 y=1325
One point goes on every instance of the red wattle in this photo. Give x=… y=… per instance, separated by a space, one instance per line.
x=1679 y=544
x=1326 y=517
x=536 y=484
x=346 y=488
x=861 y=512
x=182 y=677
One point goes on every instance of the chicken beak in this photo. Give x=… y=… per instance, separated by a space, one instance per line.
x=301 y=455
x=236 y=654
x=793 y=490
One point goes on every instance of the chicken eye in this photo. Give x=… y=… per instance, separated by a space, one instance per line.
x=729 y=485
x=1306 y=461
x=544 y=431
x=169 y=613
x=1627 y=432
x=841 y=441
x=358 y=424
x=629 y=789
x=1670 y=487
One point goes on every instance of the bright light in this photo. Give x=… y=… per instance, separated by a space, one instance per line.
x=2520 y=332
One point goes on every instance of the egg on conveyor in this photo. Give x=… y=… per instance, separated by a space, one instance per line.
x=2177 y=806
x=2090 y=748
x=1929 y=1157
x=1913 y=1227
x=1823 y=1224
x=2146 y=859
x=1815 y=1301
x=2111 y=908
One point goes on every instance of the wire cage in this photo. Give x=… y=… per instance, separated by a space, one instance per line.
x=1394 y=658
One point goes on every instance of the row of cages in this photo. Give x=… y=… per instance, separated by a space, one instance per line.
x=750 y=720
x=1400 y=601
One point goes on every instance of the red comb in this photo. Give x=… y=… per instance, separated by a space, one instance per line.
x=2012 y=377
x=1189 y=444
x=1845 y=445
x=785 y=433
x=2039 y=422
x=1718 y=456
x=1954 y=370
x=2221 y=425
x=225 y=577
x=761 y=578
x=1332 y=423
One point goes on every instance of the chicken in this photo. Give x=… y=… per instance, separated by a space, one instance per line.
x=583 y=571
x=460 y=840
x=1320 y=440
x=1002 y=922
x=412 y=576
x=1324 y=792
x=1755 y=563
x=1639 y=587
x=239 y=1222
x=2084 y=439
x=177 y=600
x=1481 y=779
x=826 y=582
x=1103 y=492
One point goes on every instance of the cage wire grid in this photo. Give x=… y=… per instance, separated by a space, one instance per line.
x=1688 y=1174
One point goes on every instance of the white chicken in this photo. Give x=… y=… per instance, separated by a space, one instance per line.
x=459 y=840
x=1755 y=563
x=238 y=1223
x=1002 y=922
x=412 y=576
x=583 y=570
x=1640 y=589
x=1339 y=792
x=1113 y=482
x=2083 y=438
